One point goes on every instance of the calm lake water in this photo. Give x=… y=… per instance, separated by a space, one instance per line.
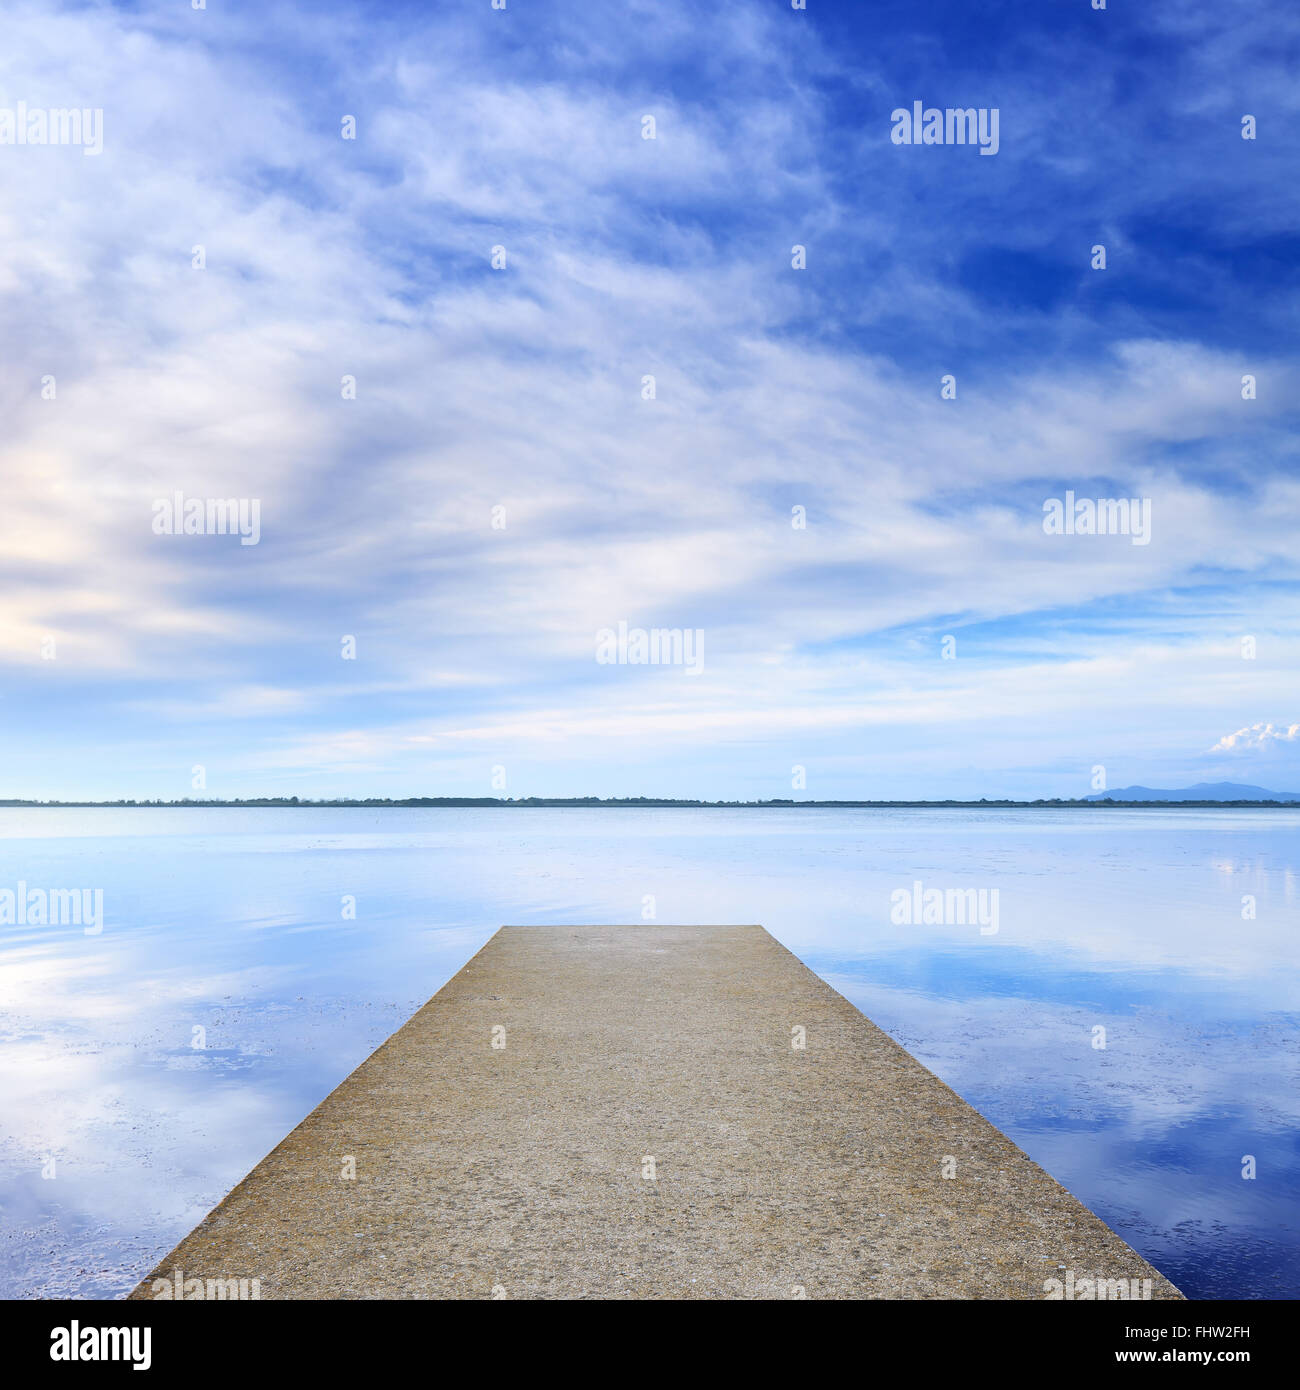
x=232 y=922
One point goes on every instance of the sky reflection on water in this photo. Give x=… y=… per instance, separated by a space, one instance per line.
x=231 y=921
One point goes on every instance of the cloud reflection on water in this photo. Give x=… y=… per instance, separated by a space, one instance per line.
x=231 y=921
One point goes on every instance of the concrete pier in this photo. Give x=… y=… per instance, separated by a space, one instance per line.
x=648 y=1112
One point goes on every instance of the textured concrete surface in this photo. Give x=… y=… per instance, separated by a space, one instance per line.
x=520 y=1171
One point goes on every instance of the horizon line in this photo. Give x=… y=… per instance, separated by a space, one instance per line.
x=1285 y=799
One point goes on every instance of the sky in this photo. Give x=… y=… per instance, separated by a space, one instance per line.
x=501 y=373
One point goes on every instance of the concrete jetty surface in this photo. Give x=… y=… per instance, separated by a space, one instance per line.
x=667 y=1112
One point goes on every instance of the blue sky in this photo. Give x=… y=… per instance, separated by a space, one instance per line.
x=132 y=657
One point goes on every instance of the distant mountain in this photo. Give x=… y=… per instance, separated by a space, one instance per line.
x=1202 y=791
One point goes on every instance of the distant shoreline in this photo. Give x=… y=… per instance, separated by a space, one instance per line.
x=635 y=802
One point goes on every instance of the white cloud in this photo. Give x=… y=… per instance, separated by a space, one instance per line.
x=1258 y=736
x=522 y=388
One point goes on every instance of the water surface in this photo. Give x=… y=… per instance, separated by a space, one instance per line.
x=229 y=928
